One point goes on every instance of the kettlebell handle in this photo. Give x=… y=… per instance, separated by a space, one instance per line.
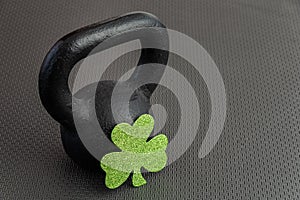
x=69 y=50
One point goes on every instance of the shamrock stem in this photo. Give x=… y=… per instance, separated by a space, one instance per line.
x=138 y=179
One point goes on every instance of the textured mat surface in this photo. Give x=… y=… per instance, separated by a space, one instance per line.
x=255 y=44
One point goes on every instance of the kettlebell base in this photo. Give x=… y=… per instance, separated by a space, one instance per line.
x=76 y=150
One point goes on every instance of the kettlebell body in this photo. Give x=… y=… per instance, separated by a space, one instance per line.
x=59 y=102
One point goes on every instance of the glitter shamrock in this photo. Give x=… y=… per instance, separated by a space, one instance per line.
x=136 y=153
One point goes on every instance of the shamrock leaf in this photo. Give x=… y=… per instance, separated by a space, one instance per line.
x=136 y=153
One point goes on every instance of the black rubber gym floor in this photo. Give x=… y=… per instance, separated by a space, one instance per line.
x=254 y=43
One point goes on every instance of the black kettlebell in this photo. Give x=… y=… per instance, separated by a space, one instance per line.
x=53 y=78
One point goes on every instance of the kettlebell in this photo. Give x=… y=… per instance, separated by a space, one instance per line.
x=54 y=90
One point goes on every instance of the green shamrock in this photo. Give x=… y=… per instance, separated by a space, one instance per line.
x=136 y=153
